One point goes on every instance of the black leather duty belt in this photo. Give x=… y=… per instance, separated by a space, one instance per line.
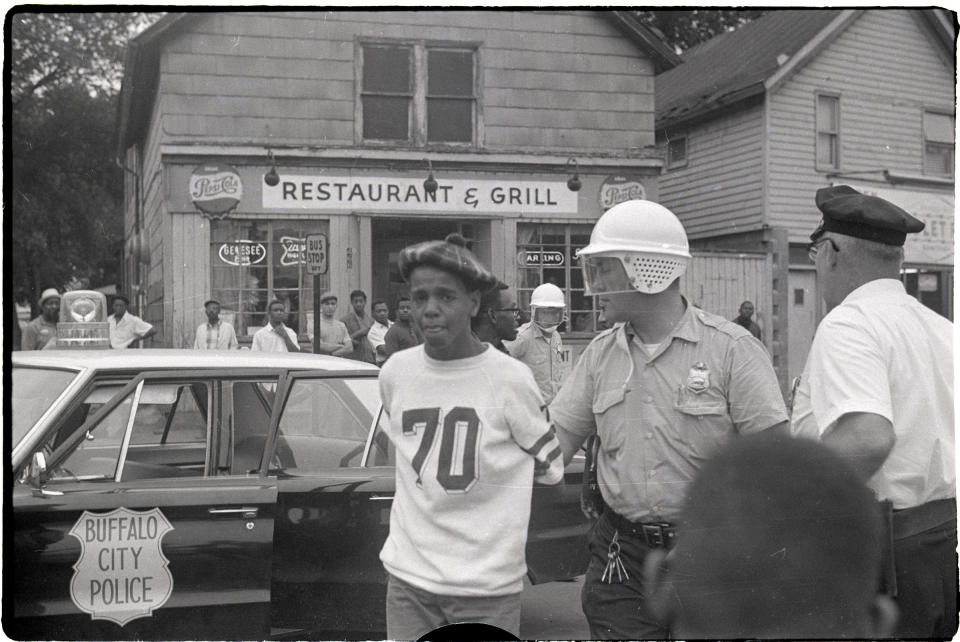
x=654 y=534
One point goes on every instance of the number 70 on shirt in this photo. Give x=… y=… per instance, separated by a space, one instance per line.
x=457 y=460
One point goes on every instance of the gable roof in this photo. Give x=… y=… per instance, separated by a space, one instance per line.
x=759 y=55
x=735 y=65
x=140 y=67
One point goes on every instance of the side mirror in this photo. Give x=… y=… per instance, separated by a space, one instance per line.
x=37 y=473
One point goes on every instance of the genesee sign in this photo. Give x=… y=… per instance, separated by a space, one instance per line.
x=381 y=194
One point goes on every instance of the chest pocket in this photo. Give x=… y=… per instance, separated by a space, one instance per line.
x=708 y=403
x=609 y=410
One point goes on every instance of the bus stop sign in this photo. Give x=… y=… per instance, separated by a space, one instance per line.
x=316 y=254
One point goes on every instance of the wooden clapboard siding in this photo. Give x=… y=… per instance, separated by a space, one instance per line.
x=154 y=217
x=719 y=191
x=718 y=282
x=886 y=70
x=189 y=277
x=548 y=79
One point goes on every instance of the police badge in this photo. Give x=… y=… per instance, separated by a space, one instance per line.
x=698 y=379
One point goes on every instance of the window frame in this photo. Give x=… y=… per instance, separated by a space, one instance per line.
x=523 y=293
x=418 y=116
x=924 y=142
x=305 y=292
x=836 y=134
x=683 y=162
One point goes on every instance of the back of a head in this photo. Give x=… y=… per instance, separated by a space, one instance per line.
x=779 y=539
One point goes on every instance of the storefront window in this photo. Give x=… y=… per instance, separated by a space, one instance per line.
x=253 y=262
x=545 y=253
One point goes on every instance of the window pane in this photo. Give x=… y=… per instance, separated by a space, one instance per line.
x=938 y=160
x=827 y=116
x=677 y=151
x=96 y=457
x=449 y=73
x=449 y=120
x=938 y=128
x=324 y=425
x=386 y=118
x=826 y=150
x=386 y=69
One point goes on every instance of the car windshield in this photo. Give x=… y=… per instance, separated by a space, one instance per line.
x=35 y=390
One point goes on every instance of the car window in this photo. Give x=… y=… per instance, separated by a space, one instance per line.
x=382 y=452
x=168 y=437
x=34 y=391
x=247 y=409
x=324 y=423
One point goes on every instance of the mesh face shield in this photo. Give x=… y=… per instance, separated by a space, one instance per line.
x=630 y=272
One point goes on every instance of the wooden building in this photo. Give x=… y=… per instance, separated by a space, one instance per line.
x=350 y=111
x=754 y=121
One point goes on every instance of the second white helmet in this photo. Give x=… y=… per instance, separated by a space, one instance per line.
x=635 y=246
x=547 y=295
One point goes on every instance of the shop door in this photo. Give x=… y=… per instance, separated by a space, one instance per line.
x=803 y=319
x=389 y=236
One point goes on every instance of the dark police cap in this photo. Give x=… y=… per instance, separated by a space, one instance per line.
x=847 y=211
x=450 y=255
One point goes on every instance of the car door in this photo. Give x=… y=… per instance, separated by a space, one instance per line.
x=334 y=514
x=130 y=534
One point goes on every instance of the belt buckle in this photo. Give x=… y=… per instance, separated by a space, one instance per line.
x=653 y=534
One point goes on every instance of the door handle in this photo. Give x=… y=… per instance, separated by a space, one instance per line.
x=245 y=512
x=381 y=498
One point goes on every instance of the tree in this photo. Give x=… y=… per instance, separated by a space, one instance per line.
x=687 y=28
x=64 y=217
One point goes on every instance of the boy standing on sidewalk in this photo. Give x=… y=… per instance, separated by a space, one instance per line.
x=470 y=438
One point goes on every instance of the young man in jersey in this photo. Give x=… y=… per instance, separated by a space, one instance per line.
x=470 y=439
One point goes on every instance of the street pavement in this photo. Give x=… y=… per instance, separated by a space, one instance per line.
x=552 y=611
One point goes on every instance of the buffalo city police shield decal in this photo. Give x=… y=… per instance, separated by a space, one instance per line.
x=698 y=379
x=122 y=573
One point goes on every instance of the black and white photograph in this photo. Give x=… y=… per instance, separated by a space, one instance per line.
x=479 y=322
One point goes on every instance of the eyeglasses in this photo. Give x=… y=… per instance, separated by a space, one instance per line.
x=516 y=311
x=814 y=248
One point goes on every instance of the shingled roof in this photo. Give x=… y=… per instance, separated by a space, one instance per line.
x=735 y=65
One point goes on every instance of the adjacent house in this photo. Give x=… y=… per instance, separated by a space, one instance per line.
x=278 y=154
x=754 y=121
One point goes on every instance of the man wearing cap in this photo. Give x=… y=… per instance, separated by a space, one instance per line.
x=40 y=331
x=215 y=334
x=334 y=337
x=470 y=440
x=664 y=389
x=126 y=329
x=877 y=388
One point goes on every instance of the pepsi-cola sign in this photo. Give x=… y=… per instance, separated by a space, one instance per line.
x=215 y=189
x=617 y=189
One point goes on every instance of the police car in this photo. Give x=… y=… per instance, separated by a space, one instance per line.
x=180 y=494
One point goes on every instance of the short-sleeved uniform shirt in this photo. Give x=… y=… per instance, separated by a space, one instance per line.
x=661 y=416
x=881 y=351
x=470 y=439
x=124 y=331
x=543 y=354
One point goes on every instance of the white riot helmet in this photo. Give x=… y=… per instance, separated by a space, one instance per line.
x=636 y=246
x=547 y=306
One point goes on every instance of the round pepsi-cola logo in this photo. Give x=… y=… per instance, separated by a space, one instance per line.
x=215 y=189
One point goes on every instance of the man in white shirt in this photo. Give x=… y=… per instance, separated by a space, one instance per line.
x=215 y=334
x=126 y=330
x=877 y=388
x=377 y=335
x=275 y=336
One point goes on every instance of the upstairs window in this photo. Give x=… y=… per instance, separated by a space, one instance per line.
x=418 y=94
x=828 y=131
x=677 y=152
x=938 y=144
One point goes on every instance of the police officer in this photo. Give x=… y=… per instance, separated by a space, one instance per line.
x=538 y=344
x=878 y=389
x=664 y=387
